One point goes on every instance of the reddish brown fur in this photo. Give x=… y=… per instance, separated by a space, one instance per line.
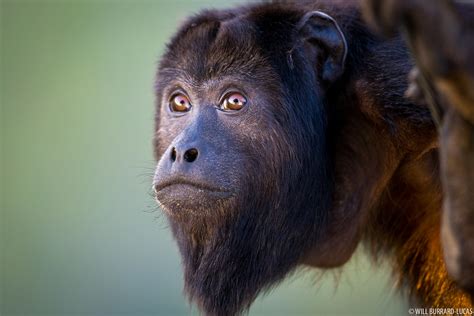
x=440 y=36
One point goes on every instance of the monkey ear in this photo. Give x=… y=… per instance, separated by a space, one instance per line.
x=324 y=43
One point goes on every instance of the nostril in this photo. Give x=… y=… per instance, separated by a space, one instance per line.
x=190 y=155
x=173 y=154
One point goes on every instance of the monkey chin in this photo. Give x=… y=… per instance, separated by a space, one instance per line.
x=233 y=253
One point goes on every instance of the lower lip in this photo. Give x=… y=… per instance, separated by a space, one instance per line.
x=176 y=198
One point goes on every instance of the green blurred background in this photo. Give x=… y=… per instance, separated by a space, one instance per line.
x=79 y=235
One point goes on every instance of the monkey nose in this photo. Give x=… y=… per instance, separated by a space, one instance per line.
x=189 y=155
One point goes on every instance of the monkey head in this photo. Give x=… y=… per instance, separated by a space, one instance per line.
x=244 y=173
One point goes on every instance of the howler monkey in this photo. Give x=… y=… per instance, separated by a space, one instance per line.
x=283 y=138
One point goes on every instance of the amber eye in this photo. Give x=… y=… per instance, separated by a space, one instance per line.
x=180 y=103
x=233 y=102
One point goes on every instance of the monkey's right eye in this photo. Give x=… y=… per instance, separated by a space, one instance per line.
x=180 y=103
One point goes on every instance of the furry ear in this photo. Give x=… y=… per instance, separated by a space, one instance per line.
x=325 y=44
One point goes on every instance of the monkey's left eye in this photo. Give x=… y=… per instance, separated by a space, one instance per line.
x=233 y=102
x=180 y=103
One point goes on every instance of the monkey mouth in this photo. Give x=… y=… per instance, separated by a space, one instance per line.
x=183 y=196
x=190 y=192
x=179 y=183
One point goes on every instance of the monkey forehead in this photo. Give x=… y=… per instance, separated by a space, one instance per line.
x=215 y=49
x=238 y=42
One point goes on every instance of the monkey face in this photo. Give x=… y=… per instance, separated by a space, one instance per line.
x=220 y=129
x=207 y=134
